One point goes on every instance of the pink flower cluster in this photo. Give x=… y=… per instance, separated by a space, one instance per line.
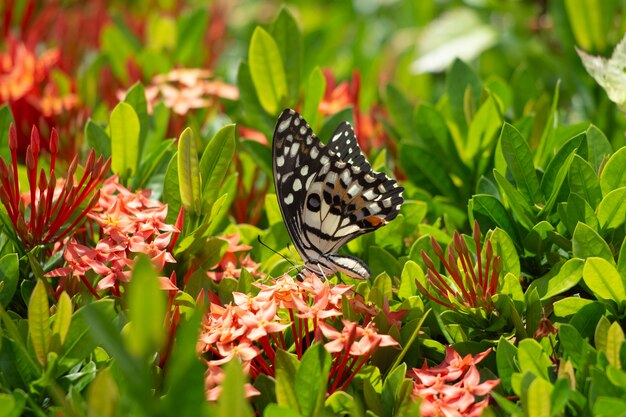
x=230 y=266
x=130 y=223
x=451 y=388
x=285 y=314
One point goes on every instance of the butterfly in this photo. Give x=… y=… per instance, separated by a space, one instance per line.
x=328 y=194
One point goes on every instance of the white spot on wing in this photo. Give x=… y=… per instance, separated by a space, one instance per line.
x=314 y=152
x=280 y=161
x=303 y=130
x=354 y=189
x=369 y=194
x=289 y=199
x=309 y=181
x=284 y=125
x=297 y=184
x=294 y=149
x=304 y=170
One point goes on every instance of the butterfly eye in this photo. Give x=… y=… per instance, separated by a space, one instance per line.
x=313 y=202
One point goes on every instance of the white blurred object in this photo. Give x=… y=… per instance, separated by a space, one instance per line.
x=459 y=33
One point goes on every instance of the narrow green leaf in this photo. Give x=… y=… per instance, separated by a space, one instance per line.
x=9 y=276
x=603 y=279
x=612 y=209
x=519 y=205
x=288 y=38
x=579 y=210
x=62 y=322
x=286 y=369
x=314 y=93
x=171 y=190
x=214 y=164
x=124 y=132
x=490 y=213
x=191 y=29
x=614 y=342
x=311 y=380
x=232 y=400
x=586 y=242
x=39 y=322
x=504 y=247
x=601 y=334
x=146 y=308
x=483 y=129
x=614 y=175
x=423 y=168
x=189 y=172
x=103 y=395
x=267 y=70
x=254 y=113
x=559 y=179
x=460 y=79
x=598 y=147
x=410 y=272
x=584 y=181
x=506 y=352
x=400 y=111
x=588 y=22
x=519 y=159
x=6 y=118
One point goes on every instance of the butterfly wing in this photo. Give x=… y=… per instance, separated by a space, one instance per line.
x=328 y=195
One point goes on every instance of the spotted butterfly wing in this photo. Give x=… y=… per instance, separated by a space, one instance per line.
x=328 y=195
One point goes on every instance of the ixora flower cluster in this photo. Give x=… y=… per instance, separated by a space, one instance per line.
x=289 y=315
x=450 y=389
x=130 y=223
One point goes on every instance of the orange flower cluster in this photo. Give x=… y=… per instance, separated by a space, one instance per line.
x=287 y=313
x=130 y=223
x=451 y=388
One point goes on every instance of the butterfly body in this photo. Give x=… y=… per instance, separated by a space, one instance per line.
x=328 y=194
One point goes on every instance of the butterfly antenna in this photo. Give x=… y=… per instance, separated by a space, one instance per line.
x=274 y=250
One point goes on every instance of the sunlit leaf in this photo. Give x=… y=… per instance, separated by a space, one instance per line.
x=38 y=322
x=124 y=131
x=267 y=70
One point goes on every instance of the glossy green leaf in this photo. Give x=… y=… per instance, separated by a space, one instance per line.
x=598 y=147
x=288 y=39
x=609 y=406
x=520 y=162
x=410 y=272
x=568 y=276
x=274 y=410
x=490 y=214
x=38 y=322
x=62 y=322
x=579 y=210
x=531 y=357
x=267 y=71
x=311 y=380
x=251 y=104
x=124 y=131
x=601 y=333
x=6 y=118
x=315 y=88
x=461 y=78
x=603 y=279
x=146 y=308
x=189 y=172
x=586 y=242
x=614 y=175
x=614 y=342
x=214 y=164
x=559 y=179
x=584 y=181
x=612 y=209
x=537 y=398
x=9 y=276
x=483 y=129
x=422 y=167
x=570 y=305
x=506 y=354
x=286 y=368
x=171 y=190
x=97 y=138
x=136 y=97
x=232 y=401
x=520 y=207
x=504 y=247
x=103 y=395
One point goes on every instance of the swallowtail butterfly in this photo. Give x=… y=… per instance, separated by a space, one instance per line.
x=328 y=194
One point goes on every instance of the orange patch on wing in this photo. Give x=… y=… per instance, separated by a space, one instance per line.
x=375 y=221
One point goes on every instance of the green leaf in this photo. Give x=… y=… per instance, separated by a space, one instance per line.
x=124 y=132
x=39 y=322
x=579 y=210
x=537 y=398
x=460 y=79
x=274 y=410
x=568 y=277
x=410 y=272
x=62 y=321
x=609 y=407
x=601 y=333
x=584 y=181
x=504 y=247
x=232 y=400
x=400 y=112
x=9 y=275
x=214 y=164
x=254 y=113
x=598 y=147
x=189 y=172
x=614 y=175
x=288 y=38
x=612 y=209
x=589 y=22
x=97 y=138
x=490 y=213
x=603 y=279
x=586 y=242
x=570 y=305
x=506 y=352
x=311 y=380
x=79 y=342
x=136 y=97
x=424 y=170
x=558 y=183
x=520 y=207
x=614 y=342
x=103 y=395
x=6 y=118
x=532 y=357
x=146 y=308
x=267 y=71
x=191 y=30
x=286 y=368
x=483 y=129
x=519 y=159
x=314 y=93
